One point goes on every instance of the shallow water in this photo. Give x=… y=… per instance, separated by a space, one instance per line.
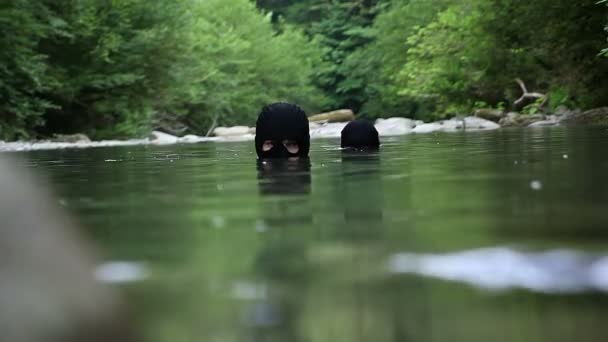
x=489 y=236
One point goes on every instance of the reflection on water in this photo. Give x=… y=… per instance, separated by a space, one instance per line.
x=120 y=272
x=281 y=260
x=500 y=268
x=239 y=251
x=284 y=176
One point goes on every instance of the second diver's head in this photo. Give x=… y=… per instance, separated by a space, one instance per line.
x=360 y=134
x=282 y=132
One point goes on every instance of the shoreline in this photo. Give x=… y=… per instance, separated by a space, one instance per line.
x=395 y=126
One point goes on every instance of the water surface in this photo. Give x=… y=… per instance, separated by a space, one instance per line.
x=489 y=236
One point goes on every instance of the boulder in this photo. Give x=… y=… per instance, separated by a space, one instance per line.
x=48 y=289
x=71 y=138
x=469 y=123
x=231 y=131
x=328 y=130
x=453 y=124
x=593 y=117
x=313 y=125
x=428 y=127
x=394 y=126
x=513 y=119
x=551 y=120
x=191 y=138
x=158 y=137
x=472 y=123
x=489 y=114
x=509 y=120
x=563 y=110
x=340 y=115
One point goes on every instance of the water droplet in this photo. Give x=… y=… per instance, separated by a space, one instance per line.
x=261 y=227
x=536 y=185
x=218 y=221
x=565 y=156
x=120 y=272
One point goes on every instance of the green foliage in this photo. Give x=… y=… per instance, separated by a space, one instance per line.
x=447 y=60
x=235 y=63
x=23 y=70
x=534 y=107
x=560 y=97
x=342 y=27
x=112 y=68
x=383 y=59
x=119 y=68
x=454 y=54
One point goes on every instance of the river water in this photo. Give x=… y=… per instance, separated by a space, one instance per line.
x=489 y=236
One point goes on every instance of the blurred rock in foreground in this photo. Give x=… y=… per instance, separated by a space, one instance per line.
x=48 y=291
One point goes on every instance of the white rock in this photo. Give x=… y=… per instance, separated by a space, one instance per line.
x=161 y=138
x=313 y=125
x=191 y=138
x=473 y=123
x=469 y=123
x=45 y=145
x=428 y=128
x=394 y=126
x=242 y=137
x=231 y=131
x=544 y=123
x=551 y=120
x=453 y=125
x=328 y=130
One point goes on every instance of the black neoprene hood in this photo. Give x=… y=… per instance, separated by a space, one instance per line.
x=360 y=134
x=278 y=122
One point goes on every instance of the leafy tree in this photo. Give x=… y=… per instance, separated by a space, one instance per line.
x=381 y=61
x=122 y=67
x=23 y=69
x=342 y=27
x=235 y=63
x=472 y=50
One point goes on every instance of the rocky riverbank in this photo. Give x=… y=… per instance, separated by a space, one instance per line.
x=482 y=120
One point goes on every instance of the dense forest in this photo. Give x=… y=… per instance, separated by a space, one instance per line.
x=120 y=68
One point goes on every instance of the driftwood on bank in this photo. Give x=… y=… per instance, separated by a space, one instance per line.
x=529 y=95
x=340 y=115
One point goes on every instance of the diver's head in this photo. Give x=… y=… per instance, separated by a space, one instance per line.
x=282 y=132
x=360 y=134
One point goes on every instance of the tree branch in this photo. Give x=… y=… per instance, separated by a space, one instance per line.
x=528 y=95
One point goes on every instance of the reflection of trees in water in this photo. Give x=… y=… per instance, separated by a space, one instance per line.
x=331 y=286
x=570 y=169
x=282 y=261
x=358 y=188
x=353 y=299
x=128 y=196
x=284 y=176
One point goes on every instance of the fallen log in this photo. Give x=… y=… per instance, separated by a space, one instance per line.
x=340 y=115
x=529 y=95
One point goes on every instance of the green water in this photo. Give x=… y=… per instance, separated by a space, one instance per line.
x=237 y=252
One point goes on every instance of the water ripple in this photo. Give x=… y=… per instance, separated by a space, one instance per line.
x=502 y=268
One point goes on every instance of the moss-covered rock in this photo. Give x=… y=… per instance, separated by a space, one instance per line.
x=593 y=117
